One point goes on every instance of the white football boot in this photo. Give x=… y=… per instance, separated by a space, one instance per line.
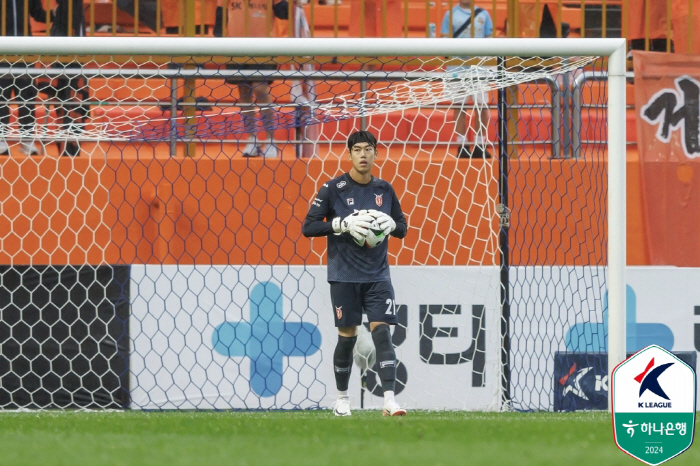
x=251 y=149
x=27 y=147
x=341 y=406
x=270 y=151
x=392 y=408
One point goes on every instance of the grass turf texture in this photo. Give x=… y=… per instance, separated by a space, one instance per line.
x=312 y=438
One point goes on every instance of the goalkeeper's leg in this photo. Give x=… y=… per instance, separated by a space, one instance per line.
x=342 y=362
x=342 y=366
x=348 y=315
x=386 y=362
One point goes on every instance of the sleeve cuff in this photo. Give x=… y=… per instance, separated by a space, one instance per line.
x=336 y=225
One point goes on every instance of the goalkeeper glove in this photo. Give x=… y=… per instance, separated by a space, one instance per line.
x=356 y=224
x=386 y=223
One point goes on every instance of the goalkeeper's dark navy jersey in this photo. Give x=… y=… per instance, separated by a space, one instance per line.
x=340 y=197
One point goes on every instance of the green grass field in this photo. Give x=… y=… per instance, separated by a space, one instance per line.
x=312 y=438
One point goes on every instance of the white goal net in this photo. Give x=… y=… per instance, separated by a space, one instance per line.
x=153 y=192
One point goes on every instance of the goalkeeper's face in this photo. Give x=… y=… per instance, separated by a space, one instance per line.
x=362 y=155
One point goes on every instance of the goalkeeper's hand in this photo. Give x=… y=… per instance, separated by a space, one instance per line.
x=356 y=224
x=386 y=223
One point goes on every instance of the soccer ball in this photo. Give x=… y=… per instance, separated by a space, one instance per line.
x=364 y=353
x=373 y=238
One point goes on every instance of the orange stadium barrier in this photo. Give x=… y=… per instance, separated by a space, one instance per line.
x=145 y=209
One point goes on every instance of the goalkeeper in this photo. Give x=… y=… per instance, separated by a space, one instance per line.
x=343 y=210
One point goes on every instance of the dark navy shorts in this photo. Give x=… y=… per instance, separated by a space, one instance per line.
x=375 y=299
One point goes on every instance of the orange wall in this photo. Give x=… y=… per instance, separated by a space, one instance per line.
x=233 y=211
x=222 y=210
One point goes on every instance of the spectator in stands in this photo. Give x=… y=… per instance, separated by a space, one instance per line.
x=380 y=18
x=16 y=23
x=254 y=91
x=463 y=26
x=173 y=16
x=69 y=94
x=148 y=11
x=637 y=13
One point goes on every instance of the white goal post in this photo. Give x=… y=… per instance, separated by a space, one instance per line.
x=612 y=51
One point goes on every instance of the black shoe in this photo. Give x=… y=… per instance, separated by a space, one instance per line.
x=69 y=149
x=464 y=153
x=480 y=153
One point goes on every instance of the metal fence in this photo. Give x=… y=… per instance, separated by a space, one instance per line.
x=663 y=25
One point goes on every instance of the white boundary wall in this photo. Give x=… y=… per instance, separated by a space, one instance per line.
x=662 y=295
x=176 y=309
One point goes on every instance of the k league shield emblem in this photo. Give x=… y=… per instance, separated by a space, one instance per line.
x=378 y=199
x=653 y=405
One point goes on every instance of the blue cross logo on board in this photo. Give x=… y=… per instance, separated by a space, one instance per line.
x=266 y=339
x=592 y=337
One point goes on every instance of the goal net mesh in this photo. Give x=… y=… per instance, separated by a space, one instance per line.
x=151 y=254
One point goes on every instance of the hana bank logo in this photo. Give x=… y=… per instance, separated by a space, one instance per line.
x=592 y=337
x=266 y=339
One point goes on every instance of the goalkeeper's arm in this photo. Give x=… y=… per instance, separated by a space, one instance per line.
x=397 y=215
x=315 y=223
x=355 y=224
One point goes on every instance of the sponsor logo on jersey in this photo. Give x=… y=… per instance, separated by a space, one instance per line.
x=378 y=199
x=339 y=312
x=351 y=201
x=317 y=202
x=341 y=184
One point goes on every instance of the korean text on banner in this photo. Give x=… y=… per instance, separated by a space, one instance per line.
x=667 y=99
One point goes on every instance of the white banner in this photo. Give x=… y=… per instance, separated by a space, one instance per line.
x=193 y=340
x=561 y=309
x=220 y=337
x=664 y=309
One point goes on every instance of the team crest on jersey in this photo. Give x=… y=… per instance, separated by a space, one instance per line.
x=351 y=201
x=378 y=199
x=339 y=312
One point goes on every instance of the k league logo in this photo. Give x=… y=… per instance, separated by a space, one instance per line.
x=653 y=405
x=571 y=382
x=650 y=381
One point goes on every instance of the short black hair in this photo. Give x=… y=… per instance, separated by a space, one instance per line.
x=362 y=136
